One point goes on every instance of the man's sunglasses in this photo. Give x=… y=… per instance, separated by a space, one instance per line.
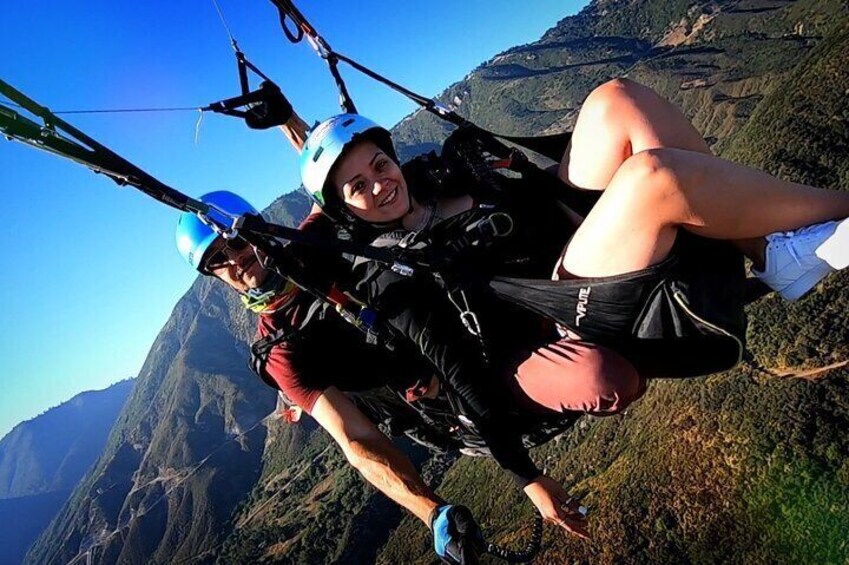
x=223 y=255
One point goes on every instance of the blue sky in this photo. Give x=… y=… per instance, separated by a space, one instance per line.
x=90 y=272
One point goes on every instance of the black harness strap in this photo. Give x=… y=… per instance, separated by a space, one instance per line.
x=79 y=147
x=229 y=106
x=264 y=107
x=261 y=348
x=550 y=146
x=255 y=224
x=288 y=10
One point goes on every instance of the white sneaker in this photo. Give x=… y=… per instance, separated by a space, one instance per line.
x=835 y=249
x=797 y=260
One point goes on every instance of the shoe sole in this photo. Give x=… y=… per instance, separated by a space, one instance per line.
x=805 y=283
x=835 y=249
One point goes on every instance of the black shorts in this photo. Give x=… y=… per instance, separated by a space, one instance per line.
x=681 y=317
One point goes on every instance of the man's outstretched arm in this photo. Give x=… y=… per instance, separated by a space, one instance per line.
x=295 y=130
x=373 y=455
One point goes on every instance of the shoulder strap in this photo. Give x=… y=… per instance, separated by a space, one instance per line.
x=262 y=347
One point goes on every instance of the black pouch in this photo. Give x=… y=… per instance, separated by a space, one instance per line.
x=682 y=317
x=694 y=323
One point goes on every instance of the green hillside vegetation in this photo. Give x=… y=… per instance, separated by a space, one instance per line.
x=147 y=498
x=310 y=506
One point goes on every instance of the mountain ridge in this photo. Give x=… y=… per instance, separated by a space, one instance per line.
x=44 y=458
x=25 y=460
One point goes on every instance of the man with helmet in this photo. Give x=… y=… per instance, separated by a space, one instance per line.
x=317 y=357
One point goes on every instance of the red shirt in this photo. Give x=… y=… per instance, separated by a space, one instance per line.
x=329 y=351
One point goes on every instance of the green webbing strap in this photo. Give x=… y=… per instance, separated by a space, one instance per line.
x=57 y=136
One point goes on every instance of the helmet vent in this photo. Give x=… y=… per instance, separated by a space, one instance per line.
x=347 y=122
x=317 y=154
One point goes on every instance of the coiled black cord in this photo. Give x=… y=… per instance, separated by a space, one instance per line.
x=525 y=555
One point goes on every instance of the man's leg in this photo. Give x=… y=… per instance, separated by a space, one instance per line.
x=578 y=376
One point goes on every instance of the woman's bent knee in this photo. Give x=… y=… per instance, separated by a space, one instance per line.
x=634 y=223
x=611 y=98
x=652 y=164
x=659 y=178
x=600 y=140
x=671 y=178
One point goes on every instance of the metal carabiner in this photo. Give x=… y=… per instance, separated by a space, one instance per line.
x=469 y=318
x=402 y=269
x=217 y=225
x=471 y=322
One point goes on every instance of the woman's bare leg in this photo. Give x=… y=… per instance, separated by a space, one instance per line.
x=622 y=118
x=617 y=120
x=655 y=192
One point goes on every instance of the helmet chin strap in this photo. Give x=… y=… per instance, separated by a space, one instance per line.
x=274 y=282
x=409 y=203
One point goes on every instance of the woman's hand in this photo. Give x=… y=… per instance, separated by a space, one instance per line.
x=557 y=507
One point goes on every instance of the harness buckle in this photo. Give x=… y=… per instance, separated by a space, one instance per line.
x=371 y=337
x=403 y=270
x=497 y=224
x=409 y=240
x=505 y=221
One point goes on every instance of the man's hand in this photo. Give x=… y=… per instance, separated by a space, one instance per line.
x=557 y=507
x=457 y=539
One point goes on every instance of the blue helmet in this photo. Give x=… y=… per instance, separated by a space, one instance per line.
x=194 y=237
x=327 y=143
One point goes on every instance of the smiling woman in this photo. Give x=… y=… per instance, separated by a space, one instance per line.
x=372 y=185
x=140 y=55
